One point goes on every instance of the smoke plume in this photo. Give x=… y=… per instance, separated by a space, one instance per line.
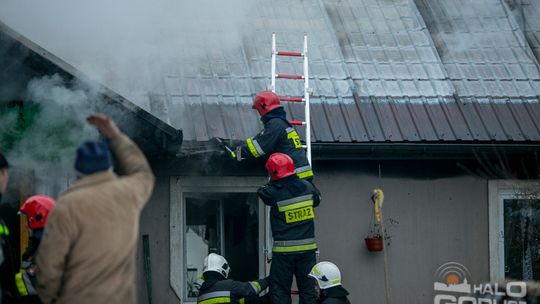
x=131 y=45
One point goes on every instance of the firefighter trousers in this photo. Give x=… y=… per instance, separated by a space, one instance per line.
x=283 y=267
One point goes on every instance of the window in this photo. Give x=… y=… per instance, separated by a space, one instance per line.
x=215 y=215
x=521 y=234
x=514 y=208
x=222 y=223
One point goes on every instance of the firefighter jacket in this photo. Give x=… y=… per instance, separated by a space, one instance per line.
x=334 y=295
x=216 y=289
x=25 y=279
x=278 y=135
x=291 y=216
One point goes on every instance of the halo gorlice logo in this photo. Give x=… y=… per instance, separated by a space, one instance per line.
x=452 y=277
x=452 y=287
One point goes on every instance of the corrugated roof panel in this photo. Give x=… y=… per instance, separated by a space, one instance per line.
x=214 y=117
x=337 y=126
x=472 y=119
x=457 y=122
x=199 y=119
x=180 y=115
x=526 y=90
x=410 y=88
x=480 y=47
x=526 y=12
x=393 y=89
x=392 y=24
x=533 y=105
x=524 y=120
x=440 y=122
x=536 y=87
x=509 y=88
x=490 y=120
x=370 y=118
x=494 y=88
x=422 y=120
x=230 y=112
x=507 y=120
x=249 y=119
x=354 y=121
x=387 y=120
x=404 y=120
x=321 y=131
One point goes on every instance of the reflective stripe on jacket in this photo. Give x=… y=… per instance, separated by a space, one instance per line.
x=277 y=136
x=230 y=291
x=292 y=215
x=24 y=283
x=4 y=230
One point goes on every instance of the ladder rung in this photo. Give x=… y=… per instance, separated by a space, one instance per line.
x=288 y=76
x=292 y=54
x=294 y=99
x=297 y=122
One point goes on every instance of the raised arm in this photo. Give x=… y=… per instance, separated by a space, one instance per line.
x=138 y=175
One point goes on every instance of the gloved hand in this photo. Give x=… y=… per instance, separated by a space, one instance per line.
x=227 y=149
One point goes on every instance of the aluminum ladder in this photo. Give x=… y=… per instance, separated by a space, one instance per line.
x=305 y=77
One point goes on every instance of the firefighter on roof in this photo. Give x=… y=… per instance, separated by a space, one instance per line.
x=217 y=288
x=278 y=135
x=36 y=209
x=291 y=216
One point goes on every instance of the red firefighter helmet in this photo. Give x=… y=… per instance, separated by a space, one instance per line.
x=265 y=102
x=37 y=209
x=279 y=166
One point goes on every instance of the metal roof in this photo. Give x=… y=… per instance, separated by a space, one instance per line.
x=483 y=51
x=376 y=119
x=381 y=71
x=525 y=13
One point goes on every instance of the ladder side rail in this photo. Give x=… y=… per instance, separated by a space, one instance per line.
x=307 y=118
x=273 y=85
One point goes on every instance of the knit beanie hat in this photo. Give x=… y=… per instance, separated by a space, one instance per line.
x=92 y=157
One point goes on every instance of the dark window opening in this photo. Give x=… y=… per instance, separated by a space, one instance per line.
x=222 y=223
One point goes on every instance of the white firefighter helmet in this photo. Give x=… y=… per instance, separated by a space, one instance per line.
x=217 y=263
x=327 y=275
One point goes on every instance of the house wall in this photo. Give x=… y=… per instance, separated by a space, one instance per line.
x=441 y=214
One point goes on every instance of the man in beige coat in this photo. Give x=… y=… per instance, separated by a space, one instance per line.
x=87 y=254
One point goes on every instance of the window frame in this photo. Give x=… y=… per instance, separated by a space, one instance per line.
x=179 y=185
x=498 y=190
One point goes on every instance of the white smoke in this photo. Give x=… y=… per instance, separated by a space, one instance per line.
x=128 y=45
x=44 y=137
x=131 y=45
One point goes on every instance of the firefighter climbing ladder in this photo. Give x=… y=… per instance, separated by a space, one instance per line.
x=305 y=77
